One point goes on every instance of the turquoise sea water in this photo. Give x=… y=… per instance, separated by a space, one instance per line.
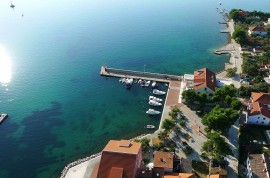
x=60 y=108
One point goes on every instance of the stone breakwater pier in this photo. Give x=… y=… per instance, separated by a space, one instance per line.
x=120 y=73
x=70 y=165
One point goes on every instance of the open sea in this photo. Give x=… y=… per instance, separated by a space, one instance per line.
x=51 y=52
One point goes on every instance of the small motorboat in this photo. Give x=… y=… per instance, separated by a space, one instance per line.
x=143 y=83
x=140 y=81
x=154 y=84
x=129 y=82
x=152 y=112
x=122 y=80
x=154 y=103
x=147 y=83
x=155 y=99
x=149 y=127
x=158 y=92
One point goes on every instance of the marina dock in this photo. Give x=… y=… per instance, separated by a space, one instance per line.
x=120 y=73
x=3 y=117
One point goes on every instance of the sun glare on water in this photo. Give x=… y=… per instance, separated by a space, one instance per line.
x=5 y=66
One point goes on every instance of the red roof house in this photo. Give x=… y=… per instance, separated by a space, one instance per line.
x=119 y=159
x=256 y=30
x=204 y=81
x=259 y=109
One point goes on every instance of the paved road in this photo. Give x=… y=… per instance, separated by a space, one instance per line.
x=233 y=142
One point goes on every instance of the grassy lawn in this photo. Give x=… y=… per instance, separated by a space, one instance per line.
x=201 y=169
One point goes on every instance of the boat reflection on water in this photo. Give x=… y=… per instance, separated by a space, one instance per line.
x=5 y=66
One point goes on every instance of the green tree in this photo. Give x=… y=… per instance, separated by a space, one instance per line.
x=231 y=72
x=174 y=112
x=145 y=143
x=162 y=135
x=236 y=104
x=216 y=146
x=189 y=96
x=250 y=67
x=168 y=124
x=220 y=119
x=239 y=34
x=220 y=94
x=182 y=123
x=202 y=98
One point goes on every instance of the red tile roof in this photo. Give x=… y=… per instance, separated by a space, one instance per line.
x=163 y=159
x=259 y=108
x=263 y=98
x=123 y=146
x=179 y=175
x=116 y=172
x=257 y=165
x=204 y=78
x=256 y=28
x=243 y=13
x=119 y=158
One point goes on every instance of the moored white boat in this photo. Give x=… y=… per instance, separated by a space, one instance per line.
x=155 y=99
x=152 y=112
x=158 y=92
x=143 y=83
x=147 y=83
x=149 y=127
x=122 y=80
x=154 y=103
x=154 y=84
x=129 y=81
x=140 y=81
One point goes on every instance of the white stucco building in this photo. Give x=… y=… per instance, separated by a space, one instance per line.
x=255 y=30
x=259 y=109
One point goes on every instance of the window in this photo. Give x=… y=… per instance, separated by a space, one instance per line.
x=257 y=121
x=262 y=122
x=263 y=118
x=210 y=94
x=205 y=89
x=258 y=117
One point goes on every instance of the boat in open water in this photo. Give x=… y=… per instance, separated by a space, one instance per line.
x=149 y=127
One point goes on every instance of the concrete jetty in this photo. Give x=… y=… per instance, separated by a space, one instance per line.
x=3 y=117
x=120 y=73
